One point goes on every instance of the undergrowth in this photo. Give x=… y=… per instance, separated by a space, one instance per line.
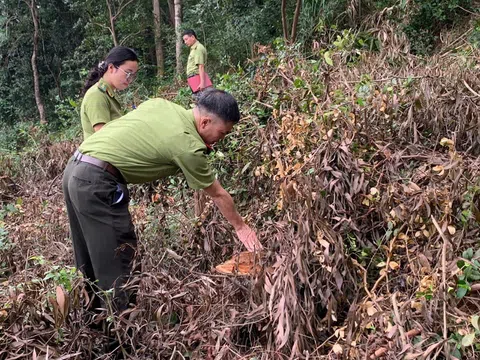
x=359 y=169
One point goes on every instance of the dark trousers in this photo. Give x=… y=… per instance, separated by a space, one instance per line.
x=102 y=231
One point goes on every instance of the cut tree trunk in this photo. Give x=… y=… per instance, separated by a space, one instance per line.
x=157 y=19
x=36 y=78
x=178 y=24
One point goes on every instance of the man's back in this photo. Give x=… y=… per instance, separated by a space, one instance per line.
x=151 y=142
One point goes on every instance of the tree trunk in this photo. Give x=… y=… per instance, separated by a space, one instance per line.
x=298 y=8
x=112 y=17
x=171 y=13
x=178 y=24
x=36 y=78
x=284 y=20
x=157 y=19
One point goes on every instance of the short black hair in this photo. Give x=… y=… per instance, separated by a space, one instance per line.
x=189 y=32
x=219 y=103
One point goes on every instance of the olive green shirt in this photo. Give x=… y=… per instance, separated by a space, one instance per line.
x=154 y=141
x=99 y=106
x=197 y=56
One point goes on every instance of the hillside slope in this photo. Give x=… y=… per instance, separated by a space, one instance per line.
x=360 y=171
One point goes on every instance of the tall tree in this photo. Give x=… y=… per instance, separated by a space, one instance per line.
x=171 y=12
x=178 y=33
x=284 y=19
x=157 y=20
x=293 y=33
x=36 y=78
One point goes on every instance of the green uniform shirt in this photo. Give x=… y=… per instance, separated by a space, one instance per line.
x=198 y=56
x=154 y=141
x=99 y=106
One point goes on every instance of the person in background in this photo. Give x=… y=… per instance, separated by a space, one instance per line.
x=196 y=60
x=100 y=104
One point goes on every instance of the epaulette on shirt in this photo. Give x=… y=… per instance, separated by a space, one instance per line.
x=104 y=88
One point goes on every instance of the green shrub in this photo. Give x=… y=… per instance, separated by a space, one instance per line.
x=429 y=17
x=15 y=137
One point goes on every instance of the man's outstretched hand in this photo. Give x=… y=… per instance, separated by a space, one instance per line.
x=225 y=203
x=248 y=237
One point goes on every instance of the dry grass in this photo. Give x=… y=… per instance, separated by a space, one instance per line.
x=345 y=194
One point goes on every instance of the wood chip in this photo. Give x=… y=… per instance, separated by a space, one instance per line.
x=245 y=263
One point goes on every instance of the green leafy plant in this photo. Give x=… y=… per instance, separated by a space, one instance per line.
x=5 y=244
x=469 y=209
x=465 y=338
x=474 y=37
x=62 y=276
x=428 y=18
x=426 y=294
x=470 y=267
x=7 y=210
x=5 y=247
x=353 y=248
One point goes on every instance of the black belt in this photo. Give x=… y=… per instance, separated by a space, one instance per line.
x=189 y=76
x=78 y=156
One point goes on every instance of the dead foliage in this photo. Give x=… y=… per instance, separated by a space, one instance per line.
x=358 y=176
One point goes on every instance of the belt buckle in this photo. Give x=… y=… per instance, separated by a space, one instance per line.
x=77 y=155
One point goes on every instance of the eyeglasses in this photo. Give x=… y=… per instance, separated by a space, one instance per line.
x=129 y=76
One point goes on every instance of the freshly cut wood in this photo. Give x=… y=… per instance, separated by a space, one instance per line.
x=244 y=263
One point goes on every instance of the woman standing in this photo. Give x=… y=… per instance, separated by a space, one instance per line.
x=100 y=105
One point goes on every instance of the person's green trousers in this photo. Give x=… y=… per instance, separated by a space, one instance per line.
x=102 y=231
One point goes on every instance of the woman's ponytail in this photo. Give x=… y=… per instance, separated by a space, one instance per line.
x=94 y=75
x=117 y=56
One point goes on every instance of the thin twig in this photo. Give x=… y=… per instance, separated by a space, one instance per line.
x=124 y=40
x=471 y=90
x=122 y=6
x=468 y=11
x=398 y=321
x=51 y=183
x=285 y=77
x=444 y=289
x=394 y=78
x=261 y=103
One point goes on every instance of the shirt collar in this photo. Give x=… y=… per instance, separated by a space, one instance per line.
x=109 y=89
x=208 y=146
